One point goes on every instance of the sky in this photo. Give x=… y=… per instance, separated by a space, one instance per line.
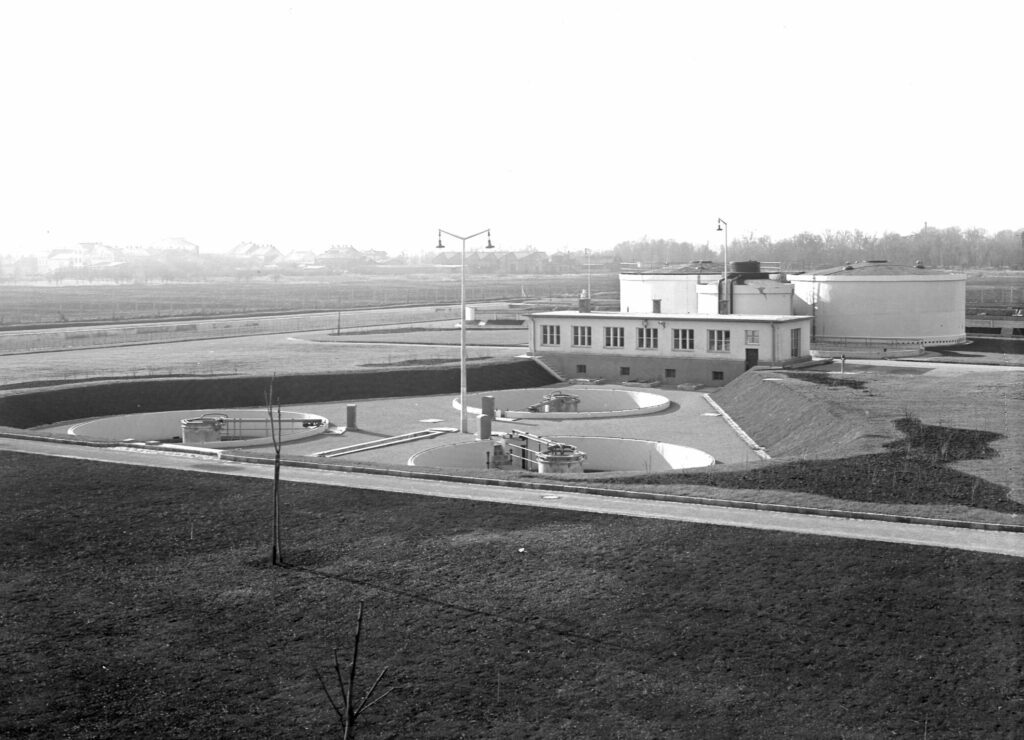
x=557 y=125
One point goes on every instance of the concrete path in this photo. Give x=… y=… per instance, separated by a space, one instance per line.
x=1004 y=543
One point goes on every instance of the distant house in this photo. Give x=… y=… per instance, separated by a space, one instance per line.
x=376 y=256
x=529 y=262
x=175 y=244
x=342 y=258
x=258 y=255
x=83 y=256
x=299 y=258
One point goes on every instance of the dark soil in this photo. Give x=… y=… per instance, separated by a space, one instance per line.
x=137 y=396
x=914 y=471
x=138 y=603
x=828 y=380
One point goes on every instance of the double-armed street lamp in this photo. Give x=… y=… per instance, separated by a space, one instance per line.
x=725 y=266
x=463 y=425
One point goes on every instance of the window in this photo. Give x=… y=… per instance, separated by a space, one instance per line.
x=670 y=372
x=750 y=336
x=581 y=368
x=614 y=336
x=794 y=342
x=682 y=339
x=655 y=305
x=581 y=336
x=717 y=375
x=718 y=340
x=550 y=334
x=623 y=371
x=646 y=338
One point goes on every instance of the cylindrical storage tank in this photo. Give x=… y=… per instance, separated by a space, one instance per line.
x=883 y=304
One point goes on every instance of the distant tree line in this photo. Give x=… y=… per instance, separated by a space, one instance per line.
x=950 y=247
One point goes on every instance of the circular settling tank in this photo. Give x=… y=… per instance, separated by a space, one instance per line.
x=214 y=428
x=603 y=454
x=582 y=403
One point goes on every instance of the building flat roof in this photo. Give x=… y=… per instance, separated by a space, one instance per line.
x=618 y=316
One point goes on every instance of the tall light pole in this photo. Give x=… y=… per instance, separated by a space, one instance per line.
x=725 y=267
x=463 y=425
x=589 y=294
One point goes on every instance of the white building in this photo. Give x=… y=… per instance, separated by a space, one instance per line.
x=666 y=348
x=692 y=324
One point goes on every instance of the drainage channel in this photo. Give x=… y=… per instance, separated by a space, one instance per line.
x=386 y=442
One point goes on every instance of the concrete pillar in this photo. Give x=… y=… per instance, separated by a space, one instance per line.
x=485 y=427
x=350 y=416
x=487 y=406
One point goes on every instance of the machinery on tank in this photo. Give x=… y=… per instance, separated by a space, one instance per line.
x=518 y=450
x=223 y=428
x=556 y=401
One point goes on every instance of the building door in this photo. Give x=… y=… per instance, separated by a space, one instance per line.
x=751 y=358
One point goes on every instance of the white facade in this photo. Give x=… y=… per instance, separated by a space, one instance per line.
x=883 y=305
x=759 y=297
x=661 y=292
x=666 y=348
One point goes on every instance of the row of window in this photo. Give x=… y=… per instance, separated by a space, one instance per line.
x=646 y=337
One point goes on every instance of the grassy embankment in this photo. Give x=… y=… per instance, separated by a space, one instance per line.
x=138 y=602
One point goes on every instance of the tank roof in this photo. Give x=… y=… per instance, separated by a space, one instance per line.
x=699 y=267
x=874 y=267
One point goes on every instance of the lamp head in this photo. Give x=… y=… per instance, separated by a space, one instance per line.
x=719 y=226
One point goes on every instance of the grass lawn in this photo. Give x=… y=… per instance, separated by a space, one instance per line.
x=138 y=602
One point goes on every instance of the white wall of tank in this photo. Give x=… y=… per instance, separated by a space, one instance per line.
x=927 y=308
x=676 y=293
x=752 y=297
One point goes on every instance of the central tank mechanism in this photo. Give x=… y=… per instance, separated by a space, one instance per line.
x=517 y=450
x=556 y=401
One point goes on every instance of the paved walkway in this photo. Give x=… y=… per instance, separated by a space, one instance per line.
x=1005 y=543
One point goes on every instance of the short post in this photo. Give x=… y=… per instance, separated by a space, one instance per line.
x=350 y=416
x=484 y=432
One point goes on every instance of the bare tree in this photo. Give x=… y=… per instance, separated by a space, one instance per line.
x=348 y=710
x=276 y=554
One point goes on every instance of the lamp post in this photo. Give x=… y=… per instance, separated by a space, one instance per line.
x=589 y=294
x=463 y=426
x=725 y=266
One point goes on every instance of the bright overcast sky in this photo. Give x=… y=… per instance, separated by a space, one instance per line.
x=556 y=124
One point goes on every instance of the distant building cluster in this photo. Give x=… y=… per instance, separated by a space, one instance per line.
x=706 y=324
x=177 y=258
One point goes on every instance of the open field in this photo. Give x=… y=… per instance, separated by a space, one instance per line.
x=141 y=605
x=33 y=305
x=995 y=288
x=257 y=355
